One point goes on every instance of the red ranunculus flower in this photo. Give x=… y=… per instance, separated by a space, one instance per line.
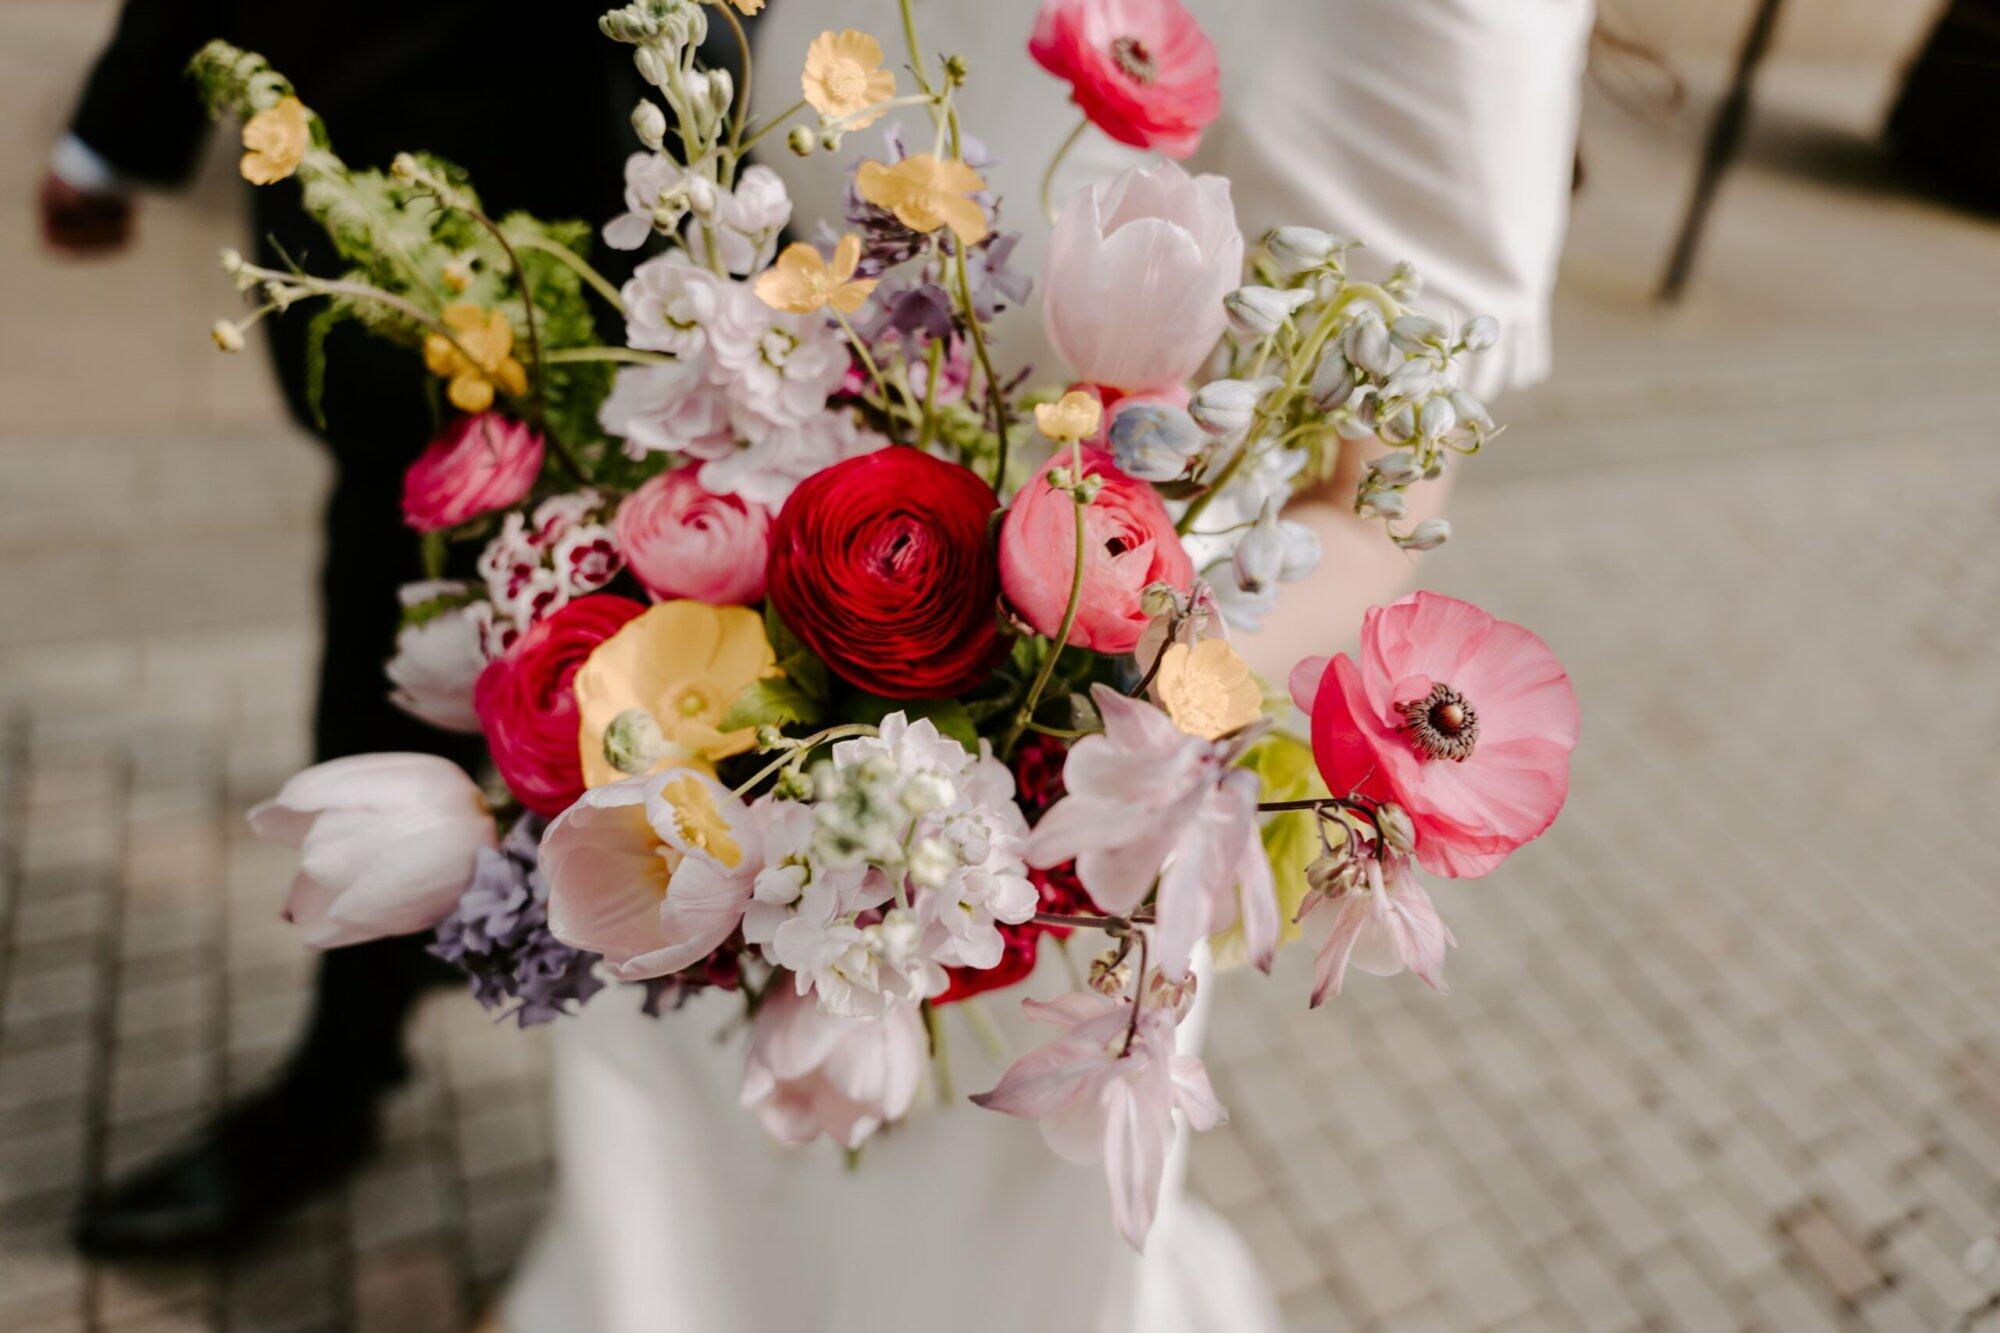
x=528 y=710
x=1142 y=70
x=883 y=566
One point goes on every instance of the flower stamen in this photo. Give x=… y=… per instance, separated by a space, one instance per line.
x=1131 y=56
x=1442 y=724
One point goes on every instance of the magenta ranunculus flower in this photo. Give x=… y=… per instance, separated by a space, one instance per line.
x=1129 y=542
x=681 y=540
x=481 y=463
x=1142 y=70
x=1137 y=268
x=1465 y=721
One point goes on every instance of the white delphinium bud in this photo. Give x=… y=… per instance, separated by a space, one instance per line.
x=1258 y=312
x=650 y=124
x=721 y=92
x=1414 y=333
x=1397 y=829
x=931 y=863
x=1261 y=553
x=1404 y=282
x=1368 y=346
x=1296 y=249
x=1397 y=469
x=1333 y=381
x=1471 y=411
x=1224 y=407
x=227 y=336
x=1480 y=333
x=1437 y=418
x=1426 y=536
x=928 y=792
x=1413 y=380
x=1399 y=426
x=703 y=197
x=1302 y=551
x=1387 y=504
x=653 y=65
x=1154 y=441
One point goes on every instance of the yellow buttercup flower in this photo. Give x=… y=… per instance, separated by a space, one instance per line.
x=275 y=141
x=926 y=192
x=1208 y=689
x=683 y=663
x=488 y=338
x=844 y=77
x=1074 y=416
x=802 y=282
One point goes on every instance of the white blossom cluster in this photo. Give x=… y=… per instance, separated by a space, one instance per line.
x=904 y=860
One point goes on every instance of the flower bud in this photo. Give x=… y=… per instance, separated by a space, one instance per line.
x=1302 y=551
x=1258 y=312
x=800 y=140
x=956 y=70
x=227 y=336
x=1481 y=332
x=1333 y=382
x=1404 y=281
x=928 y=792
x=1413 y=333
x=1154 y=441
x=721 y=91
x=1261 y=553
x=769 y=737
x=650 y=124
x=633 y=743
x=1426 y=536
x=1471 y=411
x=1399 y=426
x=1225 y=407
x=1110 y=974
x=1332 y=874
x=652 y=65
x=1296 y=249
x=1367 y=344
x=1399 y=833
x=1437 y=418
x=1177 y=996
x=1397 y=469
x=703 y=197
x=792 y=785
x=1388 y=504
x=232 y=260
x=931 y=863
x=1412 y=379
x=1160 y=599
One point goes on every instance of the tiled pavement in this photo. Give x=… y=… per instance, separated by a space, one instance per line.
x=1721 y=1051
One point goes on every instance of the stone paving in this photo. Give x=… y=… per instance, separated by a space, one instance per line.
x=1720 y=1052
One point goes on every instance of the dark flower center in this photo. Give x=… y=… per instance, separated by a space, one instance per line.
x=1442 y=724
x=1131 y=56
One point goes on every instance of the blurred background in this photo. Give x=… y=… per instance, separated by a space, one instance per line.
x=1721 y=1050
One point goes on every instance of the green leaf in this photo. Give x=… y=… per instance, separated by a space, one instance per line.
x=947 y=715
x=773 y=701
x=795 y=659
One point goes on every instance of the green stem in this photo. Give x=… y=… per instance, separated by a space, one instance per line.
x=867 y=363
x=916 y=51
x=756 y=136
x=940 y=1056
x=1026 y=712
x=984 y=1030
x=630 y=355
x=1049 y=174
x=742 y=112
x=995 y=397
x=578 y=265
x=795 y=752
x=932 y=364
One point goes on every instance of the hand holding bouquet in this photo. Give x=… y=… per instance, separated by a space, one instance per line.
x=824 y=666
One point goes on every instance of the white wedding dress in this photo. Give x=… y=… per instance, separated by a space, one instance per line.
x=1440 y=132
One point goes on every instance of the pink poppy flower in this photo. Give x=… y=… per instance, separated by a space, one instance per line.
x=1098 y=1099
x=1383 y=924
x=1465 y=721
x=810 y=1073
x=1129 y=543
x=1142 y=70
x=682 y=541
x=480 y=463
x=1137 y=268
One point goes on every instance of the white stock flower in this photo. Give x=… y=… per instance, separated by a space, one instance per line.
x=669 y=303
x=675 y=409
x=775 y=459
x=649 y=179
x=778 y=367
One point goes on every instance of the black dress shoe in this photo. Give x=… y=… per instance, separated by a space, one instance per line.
x=258 y=1159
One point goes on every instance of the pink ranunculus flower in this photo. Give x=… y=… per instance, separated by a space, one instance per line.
x=1147 y=802
x=1465 y=721
x=845 y=1076
x=1097 y=1099
x=1142 y=70
x=481 y=463
x=387 y=844
x=1136 y=272
x=1129 y=543
x=1382 y=925
x=681 y=540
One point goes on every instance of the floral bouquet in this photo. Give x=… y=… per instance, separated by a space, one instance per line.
x=822 y=665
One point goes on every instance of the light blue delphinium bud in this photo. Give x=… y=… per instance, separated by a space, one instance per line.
x=1154 y=441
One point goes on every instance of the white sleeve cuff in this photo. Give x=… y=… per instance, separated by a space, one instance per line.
x=82 y=168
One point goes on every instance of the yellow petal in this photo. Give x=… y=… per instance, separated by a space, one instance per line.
x=797 y=282
x=846 y=257
x=1074 y=416
x=1208 y=689
x=966 y=220
x=851 y=296
x=470 y=392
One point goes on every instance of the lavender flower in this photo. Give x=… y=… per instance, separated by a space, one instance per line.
x=498 y=935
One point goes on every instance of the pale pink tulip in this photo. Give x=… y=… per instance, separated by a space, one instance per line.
x=388 y=842
x=1147 y=802
x=1099 y=1099
x=810 y=1073
x=1465 y=721
x=652 y=872
x=1136 y=272
x=1383 y=924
